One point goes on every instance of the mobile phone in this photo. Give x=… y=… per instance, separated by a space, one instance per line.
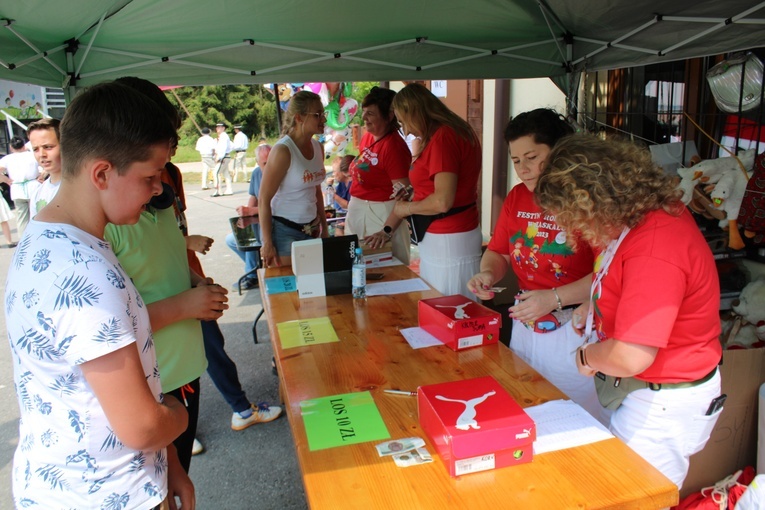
x=375 y=276
x=716 y=404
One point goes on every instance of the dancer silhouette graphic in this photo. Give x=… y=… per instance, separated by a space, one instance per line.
x=467 y=419
x=459 y=310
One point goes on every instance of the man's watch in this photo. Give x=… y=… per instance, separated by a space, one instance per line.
x=387 y=229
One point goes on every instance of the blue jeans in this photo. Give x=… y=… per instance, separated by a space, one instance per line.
x=250 y=258
x=283 y=237
x=221 y=369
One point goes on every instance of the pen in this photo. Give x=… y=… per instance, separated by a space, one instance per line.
x=402 y=392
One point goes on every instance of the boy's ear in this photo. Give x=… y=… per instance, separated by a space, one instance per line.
x=99 y=173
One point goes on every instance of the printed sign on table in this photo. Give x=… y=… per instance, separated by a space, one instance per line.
x=341 y=420
x=304 y=332
x=279 y=284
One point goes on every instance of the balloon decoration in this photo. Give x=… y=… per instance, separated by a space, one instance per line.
x=340 y=108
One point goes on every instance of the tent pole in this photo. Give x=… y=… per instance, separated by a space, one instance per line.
x=278 y=109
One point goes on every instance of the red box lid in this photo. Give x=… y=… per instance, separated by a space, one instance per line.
x=458 y=307
x=450 y=318
x=478 y=415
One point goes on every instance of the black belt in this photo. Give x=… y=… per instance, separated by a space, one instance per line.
x=306 y=228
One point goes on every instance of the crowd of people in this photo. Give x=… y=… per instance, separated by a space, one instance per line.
x=590 y=233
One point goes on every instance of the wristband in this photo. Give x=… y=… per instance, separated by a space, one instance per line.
x=557 y=298
x=583 y=357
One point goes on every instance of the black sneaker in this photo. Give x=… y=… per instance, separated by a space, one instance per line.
x=247 y=284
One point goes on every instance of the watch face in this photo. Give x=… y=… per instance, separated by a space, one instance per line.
x=387 y=229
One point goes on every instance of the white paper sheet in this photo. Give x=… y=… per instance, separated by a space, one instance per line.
x=419 y=338
x=396 y=287
x=564 y=424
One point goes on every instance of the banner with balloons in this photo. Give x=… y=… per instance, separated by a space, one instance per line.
x=20 y=100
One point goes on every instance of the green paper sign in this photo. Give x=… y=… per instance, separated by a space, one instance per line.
x=304 y=332
x=342 y=420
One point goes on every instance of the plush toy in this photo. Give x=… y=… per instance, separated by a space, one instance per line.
x=728 y=194
x=710 y=171
x=749 y=311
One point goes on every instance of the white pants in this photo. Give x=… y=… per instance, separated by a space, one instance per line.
x=365 y=218
x=221 y=173
x=239 y=166
x=208 y=167
x=552 y=355
x=666 y=427
x=449 y=261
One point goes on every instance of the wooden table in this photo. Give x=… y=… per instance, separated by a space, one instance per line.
x=372 y=355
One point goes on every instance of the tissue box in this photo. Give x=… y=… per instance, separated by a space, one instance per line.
x=459 y=322
x=322 y=266
x=475 y=425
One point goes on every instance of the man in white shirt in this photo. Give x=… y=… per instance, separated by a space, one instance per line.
x=44 y=137
x=240 y=149
x=21 y=169
x=206 y=149
x=222 y=159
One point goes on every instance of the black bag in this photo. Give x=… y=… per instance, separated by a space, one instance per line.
x=419 y=223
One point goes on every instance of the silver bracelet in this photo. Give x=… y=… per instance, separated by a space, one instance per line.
x=557 y=298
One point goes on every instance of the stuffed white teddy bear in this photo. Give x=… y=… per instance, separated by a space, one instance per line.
x=750 y=307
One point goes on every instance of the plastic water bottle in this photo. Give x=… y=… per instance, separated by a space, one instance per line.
x=359 y=275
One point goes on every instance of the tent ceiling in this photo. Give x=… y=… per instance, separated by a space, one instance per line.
x=194 y=42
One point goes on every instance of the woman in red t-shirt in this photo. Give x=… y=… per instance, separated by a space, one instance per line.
x=653 y=323
x=552 y=277
x=383 y=161
x=445 y=180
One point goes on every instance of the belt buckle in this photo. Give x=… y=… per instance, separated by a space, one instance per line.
x=307 y=229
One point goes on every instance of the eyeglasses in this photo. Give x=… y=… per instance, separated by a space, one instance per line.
x=318 y=114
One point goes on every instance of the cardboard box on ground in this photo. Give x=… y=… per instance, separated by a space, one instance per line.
x=733 y=443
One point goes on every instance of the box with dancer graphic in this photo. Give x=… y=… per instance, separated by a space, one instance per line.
x=459 y=322
x=475 y=425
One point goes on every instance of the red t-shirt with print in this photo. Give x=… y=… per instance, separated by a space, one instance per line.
x=448 y=152
x=536 y=245
x=378 y=164
x=662 y=290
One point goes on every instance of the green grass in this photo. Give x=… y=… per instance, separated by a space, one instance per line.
x=186 y=155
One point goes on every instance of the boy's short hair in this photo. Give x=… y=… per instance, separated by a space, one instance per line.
x=43 y=124
x=113 y=122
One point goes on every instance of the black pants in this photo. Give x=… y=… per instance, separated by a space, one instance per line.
x=188 y=395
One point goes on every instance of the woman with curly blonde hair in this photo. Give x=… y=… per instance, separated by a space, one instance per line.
x=652 y=324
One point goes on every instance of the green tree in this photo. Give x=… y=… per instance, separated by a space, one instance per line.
x=247 y=105
x=360 y=90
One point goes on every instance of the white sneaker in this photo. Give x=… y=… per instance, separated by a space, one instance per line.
x=197 y=448
x=262 y=413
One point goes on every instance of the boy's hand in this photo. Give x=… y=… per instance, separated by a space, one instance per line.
x=199 y=243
